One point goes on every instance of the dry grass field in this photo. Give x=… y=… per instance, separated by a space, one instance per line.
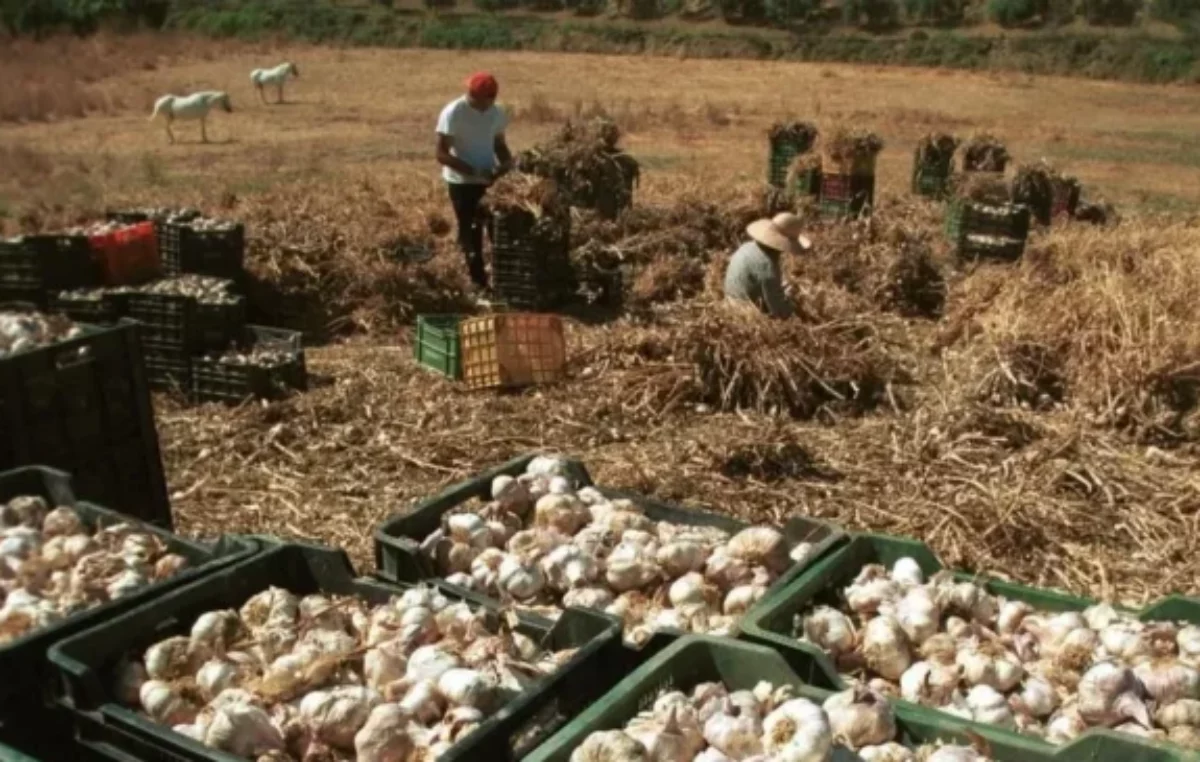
x=1040 y=425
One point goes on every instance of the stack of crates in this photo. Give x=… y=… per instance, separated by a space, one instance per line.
x=191 y=248
x=983 y=231
x=847 y=195
x=531 y=263
x=781 y=152
x=931 y=178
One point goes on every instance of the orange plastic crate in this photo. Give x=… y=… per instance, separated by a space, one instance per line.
x=128 y=256
x=512 y=350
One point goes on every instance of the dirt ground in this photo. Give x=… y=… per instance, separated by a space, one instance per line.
x=1088 y=482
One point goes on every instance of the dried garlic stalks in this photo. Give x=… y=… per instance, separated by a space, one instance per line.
x=952 y=645
x=298 y=679
x=542 y=542
x=52 y=566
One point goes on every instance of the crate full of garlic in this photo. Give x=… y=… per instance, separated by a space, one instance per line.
x=290 y=656
x=705 y=699
x=1035 y=663
x=536 y=531
x=66 y=565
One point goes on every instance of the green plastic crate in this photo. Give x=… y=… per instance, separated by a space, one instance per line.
x=930 y=181
x=436 y=344
x=696 y=659
x=964 y=218
x=780 y=155
x=397 y=540
x=771 y=623
x=86 y=661
x=807 y=183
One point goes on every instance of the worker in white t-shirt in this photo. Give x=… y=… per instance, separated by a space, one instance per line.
x=473 y=153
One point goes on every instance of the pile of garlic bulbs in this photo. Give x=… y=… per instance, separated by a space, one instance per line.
x=540 y=542
x=22 y=331
x=953 y=646
x=51 y=566
x=330 y=678
x=766 y=724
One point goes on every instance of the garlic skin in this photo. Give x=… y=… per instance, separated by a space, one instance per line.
x=1101 y=615
x=163 y=703
x=860 y=717
x=337 y=715
x=430 y=663
x=169 y=659
x=907 y=573
x=1188 y=642
x=1036 y=698
x=519 y=580
x=679 y=558
x=1010 y=616
x=1167 y=680
x=588 y=597
x=742 y=599
x=1181 y=712
x=956 y=754
x=929 y=684
x=424 y=702
x=610 y=746
x=918 y=614
x=466 y=687
x=1065 y=726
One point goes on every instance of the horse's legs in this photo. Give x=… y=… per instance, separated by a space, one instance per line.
x=280 y=87
x=170 y=135
x=262 y=95
x=203 y=132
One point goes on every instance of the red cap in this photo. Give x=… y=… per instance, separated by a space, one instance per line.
x=482 y=85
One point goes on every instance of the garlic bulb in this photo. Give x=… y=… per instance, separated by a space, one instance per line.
x=742 y=599
x=244 y=730
x=918 y=615
x=170 y=659
x=1036 y=698
x=466 y=687
x=798 y=731
x=567 y=567
x=988 y=664
x=734 y=732
x=1099 y=616
x=62 y=521
x=1187 y=736
x=384 y=664
x=165 y=705
x=216 y=630
x=430 y=663
x=679 y=558
x=1167 y=680
x=867 y=596
x=1188 y=643
x=1065 y=726
x=885 y=647
x=272 y=606
x=929 y=683
x=519 y=580
x=666 y=741
x=424 y=702
x=1181 y=712
x=469 y=529
x=888 y=752
x=384 y=736
x=337 y=715
x=1108 y=693
x=711 y=755
x=761 y=546
x=830 y=629
x=1010 y=616
x=610 y=746
x=989 y=706
x=860 y=717
x=588 y=597
x=907 y=572
x=955 y=754
x=562 y=513
x=726 y=571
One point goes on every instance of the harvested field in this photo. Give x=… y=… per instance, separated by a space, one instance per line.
x=1037 y=421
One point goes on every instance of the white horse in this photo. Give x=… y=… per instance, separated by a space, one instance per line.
x=195 y=106
x=274 y=77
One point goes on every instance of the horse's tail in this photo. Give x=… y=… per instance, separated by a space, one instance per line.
x=160 y=104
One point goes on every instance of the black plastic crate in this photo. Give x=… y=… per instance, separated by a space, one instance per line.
x=83 y=405
x=86 y=662
x=216 y=381
x=218 y=325
x=996 y=249
x=169 y=370
x=27 y=674
x=220 y=253
x=398 y=539
x=166 y=320
x=966 y=218
x=90 y=307
x=65 y=261
x=527 y=272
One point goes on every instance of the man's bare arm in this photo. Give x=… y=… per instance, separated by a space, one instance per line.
x=447 y=159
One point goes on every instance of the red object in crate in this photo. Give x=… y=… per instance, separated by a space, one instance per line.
x=127 y=256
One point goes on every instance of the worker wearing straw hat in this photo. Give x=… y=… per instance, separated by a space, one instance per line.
x=754 y=273
x=473 y=152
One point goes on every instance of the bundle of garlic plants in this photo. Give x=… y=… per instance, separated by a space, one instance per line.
x=953 y=646
x=52 y=566
x=295 y=679
x=542 y=543
x=766 y=724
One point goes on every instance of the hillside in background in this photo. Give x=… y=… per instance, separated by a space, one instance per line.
x=1138 y=40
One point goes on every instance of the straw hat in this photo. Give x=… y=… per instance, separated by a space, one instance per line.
x=783 y=232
